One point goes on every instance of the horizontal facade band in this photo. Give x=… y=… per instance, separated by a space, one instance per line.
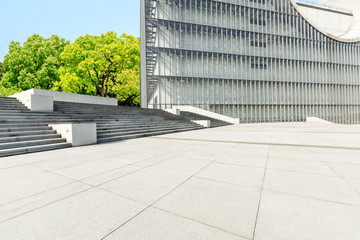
x=179 y=78
x=209 y=54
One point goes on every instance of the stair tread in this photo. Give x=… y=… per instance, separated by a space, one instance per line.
x=32 y=149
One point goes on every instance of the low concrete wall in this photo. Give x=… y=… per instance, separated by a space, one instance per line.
x=37 y=103
x=208 y=114
x=204 y=123
x=41 y=103
x=67 y=97
x=174 y=111
x=78 y=134
x=316 y=120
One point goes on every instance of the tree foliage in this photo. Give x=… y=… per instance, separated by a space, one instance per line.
x=33 y=65
x=1 y=70
x=105 y=65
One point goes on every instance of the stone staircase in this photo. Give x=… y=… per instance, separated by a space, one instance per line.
x=213 y=122
x=23 y=131
x=19 y=136
x=121 y=123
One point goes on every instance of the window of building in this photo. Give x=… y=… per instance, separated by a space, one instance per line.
x=258 y=66
x=258 y=1
x=255 y=43
x=258 y=21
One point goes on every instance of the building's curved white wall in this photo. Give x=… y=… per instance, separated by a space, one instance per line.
x=332 y=22
x=353 y=5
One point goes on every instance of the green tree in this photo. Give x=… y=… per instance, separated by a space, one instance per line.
x=33 y=65
x=127 y=87
x=1 y=70
x=105 y=65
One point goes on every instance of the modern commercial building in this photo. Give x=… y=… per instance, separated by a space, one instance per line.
x=256 y=60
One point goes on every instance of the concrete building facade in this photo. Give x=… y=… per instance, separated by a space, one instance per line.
x=256 y=60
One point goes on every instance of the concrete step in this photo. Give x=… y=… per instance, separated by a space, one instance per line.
x=20 y=129
x=156 y=133
x=25 y=116
x=102 y=126
x=29 y=138
x=10 y=125
x=32 y=149
x=26 y=133
x=138 y=126
x=45 y=121
x=213 y=122
x=133 y=131
x=31 y=143
x=13 y=107
x=23 y=131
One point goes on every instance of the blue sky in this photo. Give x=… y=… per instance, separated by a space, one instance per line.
x=67 y=18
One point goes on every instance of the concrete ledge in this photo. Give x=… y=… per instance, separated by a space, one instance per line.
x=41 y=103
x=78 y=134
x=38 y=103
x=208 y=114
x=67 y=97
x=316 y=120
x=174 y=111
x=204 y=123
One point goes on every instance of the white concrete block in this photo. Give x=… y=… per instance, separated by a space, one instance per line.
x=210 y=114
x=205 y=123
x=174 y=111
x=78 y=134
x=67 y=97
x=37 y=103
x=40 y=103
x=316 y=120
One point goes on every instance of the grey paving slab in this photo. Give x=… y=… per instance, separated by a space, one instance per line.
x=313 y=186
x=346 y=170
x=24 y=187
x=181 y=165
x=146 y=186
x=110 y=175
x=292 y=153
x=355 y=183
x=88 y=215
x=248 y=155
x=92 y=168
x=224 y=206
x=33 y=202
x=236 y=174
x=300 y=165
x=168 y=226
x=207 y=152
x=18 y=172
x=338 y=155
x=284 y=217
x=14 y=161
x=203 y=184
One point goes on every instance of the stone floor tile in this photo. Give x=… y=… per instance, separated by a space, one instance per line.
x=27 y=186
x=180 y=165
x=145 y=186
x=236 y=174
x=285 y=217
x=224 y=206
x=33 y=202
x=347 y=170
x=312 y=186
x=299 y=165
x=155 y=224
x=110 y=175
x=88 y=215
x=13 y=173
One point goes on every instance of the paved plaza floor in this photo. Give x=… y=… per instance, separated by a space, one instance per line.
x=291 y=181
